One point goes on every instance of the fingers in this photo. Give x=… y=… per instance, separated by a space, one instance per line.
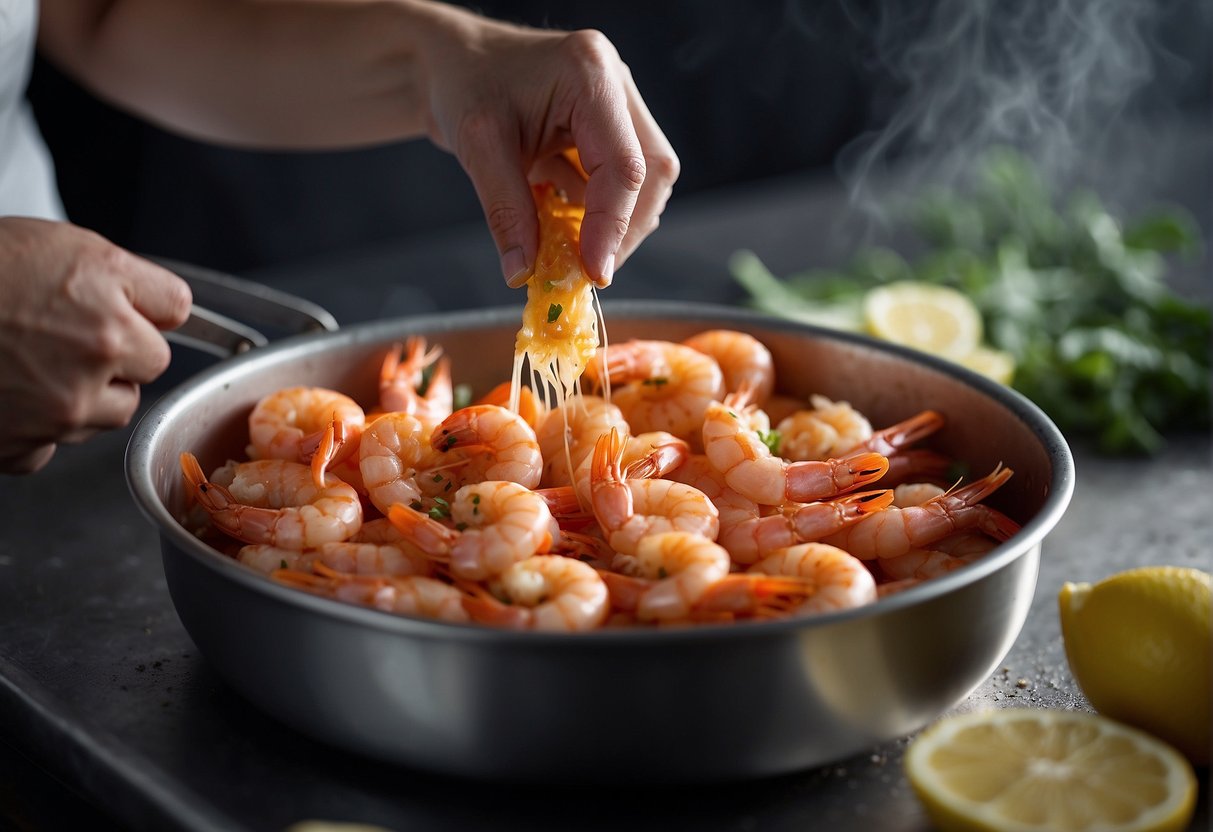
x=505 y=196
x=156 y=293
x=631 y=167
x=26 y=461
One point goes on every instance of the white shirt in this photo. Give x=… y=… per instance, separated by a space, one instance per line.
x=27 y=175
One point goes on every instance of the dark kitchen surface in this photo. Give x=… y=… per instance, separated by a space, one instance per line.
x=110 y=718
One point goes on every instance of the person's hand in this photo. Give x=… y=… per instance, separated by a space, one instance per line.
x=79 y=332
x=508 y=101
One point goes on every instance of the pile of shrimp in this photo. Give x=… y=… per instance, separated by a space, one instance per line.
x=673 y=488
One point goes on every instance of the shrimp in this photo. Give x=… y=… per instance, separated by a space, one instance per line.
x=828 y=429
x=568 y=433
x=915 y=493
x=377 y=549
x=400 y=382
x=664 y=386
x=393 y=450
x=265 y=558
x=496 y=524
x=674 y=569
x=752 y=596
x=894 y=441
x=544 y=592
x=490 y=442
x=274 y=501
x=644 y=456
x=841 y=580
x=896 y=531
x=743 y=359
x=750 y=535
x=752 y=470
x=941 y=558
x=629 y=510
x=415 y=595
x=290 y=423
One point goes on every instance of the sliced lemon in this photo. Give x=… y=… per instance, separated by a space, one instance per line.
x=935 y=319
x=991 y=363
x=1139 y=643
x=1021 y=769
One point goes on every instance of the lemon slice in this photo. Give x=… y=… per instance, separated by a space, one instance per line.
x=935 y=319
x=1021 y=769
x=991 y=363
x=1139 y=644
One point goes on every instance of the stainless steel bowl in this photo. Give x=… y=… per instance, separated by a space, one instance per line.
x=673 y=705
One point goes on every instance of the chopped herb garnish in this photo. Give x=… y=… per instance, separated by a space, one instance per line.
x=460 y=526
x=657 y=381
x=450 y=441
x=438 y=478
x=770 y=438
x=549 y=285
x=475 y=499
x=554 y=312
x=415 y=505
x=282 y=564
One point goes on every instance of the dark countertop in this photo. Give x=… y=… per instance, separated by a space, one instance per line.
x=104 y=701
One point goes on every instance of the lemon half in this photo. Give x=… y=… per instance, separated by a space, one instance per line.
x=1139 y=643
x=1021 y=769
x=935 y=319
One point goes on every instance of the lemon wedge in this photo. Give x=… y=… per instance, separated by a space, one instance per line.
x=935 y=319
x=991 y=363
x=1139 y=643
x=1021 y=769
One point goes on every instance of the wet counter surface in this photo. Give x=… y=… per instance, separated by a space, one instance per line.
x=108 y=715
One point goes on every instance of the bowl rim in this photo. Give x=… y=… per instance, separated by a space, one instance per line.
x=149 y=431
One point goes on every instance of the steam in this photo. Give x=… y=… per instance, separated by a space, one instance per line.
x=1050 y=78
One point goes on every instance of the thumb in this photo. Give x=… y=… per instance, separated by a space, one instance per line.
x=506 y=199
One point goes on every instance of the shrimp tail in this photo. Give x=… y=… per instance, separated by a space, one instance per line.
x=213 y=498
x=902 y=435
x=808 y=481
x=919 y=465
x=426 y=533
x=758 y=595
x=991 y=521
x=625 y=591
x=483 y=608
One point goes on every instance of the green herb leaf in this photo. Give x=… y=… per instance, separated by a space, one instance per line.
x=554 y=312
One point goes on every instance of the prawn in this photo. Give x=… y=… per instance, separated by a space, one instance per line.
x=749 y=534
x=896 y=531
x=645 y=456
x=940 y=558
x=828 y=429
x=377 y=549
x=393 y=450
x=530 y=407
x=752 y=470
x=490 y=442
x=496 y=523
x=743 y=360
x=291 y=423
x=567 y=435
x=893 y=442
x=276 y=502
x=659 y=385
x=543 y=592
x=839 y=579
x=415 y=595
x=674 y=571
x=629 y=510
x=401 y=381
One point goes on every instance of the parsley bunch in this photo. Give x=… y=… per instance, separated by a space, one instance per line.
x=1101 y=343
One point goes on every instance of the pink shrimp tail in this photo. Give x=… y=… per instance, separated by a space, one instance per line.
x=919 y=465
x=992 y=522
x=894 y=438
x=625 y=591
x=759 y=595
x=211 y=497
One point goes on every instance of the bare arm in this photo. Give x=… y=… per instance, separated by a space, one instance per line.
x=505 y=100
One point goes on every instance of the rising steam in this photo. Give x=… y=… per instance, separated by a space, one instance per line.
x=1048 y=77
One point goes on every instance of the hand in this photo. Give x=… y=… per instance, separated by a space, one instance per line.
x=79 y=321
x=508 y=100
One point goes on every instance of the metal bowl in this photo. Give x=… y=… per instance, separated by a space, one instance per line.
x=670 y=705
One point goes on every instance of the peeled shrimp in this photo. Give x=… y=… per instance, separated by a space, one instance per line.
x=274 y=501
x=896 y=531
x=743 y=359
x=840 y=580
x=414 y=595
x=629 y=510
x=289 y=423
x=497 y=524
x=750 y=534
x=828 y=429
x=941 y=558
x=544 y=592
x=674 y=570
x=394 y=448
x=488 y=442
x=659 y=385
x=752 y=470
x=568 y=433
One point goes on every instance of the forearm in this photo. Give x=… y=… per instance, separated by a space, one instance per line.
x=283 y=73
